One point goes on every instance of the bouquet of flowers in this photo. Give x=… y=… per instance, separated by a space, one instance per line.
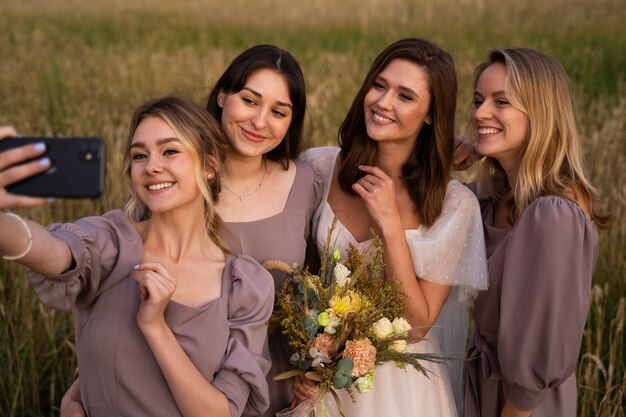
x=342 y=322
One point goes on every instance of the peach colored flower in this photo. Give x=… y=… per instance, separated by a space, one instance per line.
x=324 y=342
x=363 y=355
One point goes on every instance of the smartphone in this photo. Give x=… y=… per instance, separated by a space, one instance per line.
x=77 y=170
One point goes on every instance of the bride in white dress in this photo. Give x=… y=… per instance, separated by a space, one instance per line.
x=391 y=175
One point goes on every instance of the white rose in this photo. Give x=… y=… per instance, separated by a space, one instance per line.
x=400 y=326
x=382 y=328
x=341 y=275
x=398 y=345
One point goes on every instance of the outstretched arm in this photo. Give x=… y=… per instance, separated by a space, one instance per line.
x=31 y=245
x=21 y=240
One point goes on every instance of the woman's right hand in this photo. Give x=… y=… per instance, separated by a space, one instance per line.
x=303 y=389
x=156 y=286
x=17 y=173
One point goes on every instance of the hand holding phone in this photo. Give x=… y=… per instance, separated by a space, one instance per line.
x=76 y=170
x=13 y=169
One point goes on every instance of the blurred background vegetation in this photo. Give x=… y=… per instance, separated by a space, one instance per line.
x=79 y=68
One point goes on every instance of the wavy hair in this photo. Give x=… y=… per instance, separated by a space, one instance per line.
x=427 y=170
x=201 y=135
x=551 y=161
x=234 y=80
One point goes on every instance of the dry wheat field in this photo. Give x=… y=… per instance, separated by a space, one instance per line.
x=70 y=67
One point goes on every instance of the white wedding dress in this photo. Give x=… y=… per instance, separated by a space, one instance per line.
x=452 y=252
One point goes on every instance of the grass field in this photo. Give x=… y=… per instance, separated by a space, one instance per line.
x=80 y=68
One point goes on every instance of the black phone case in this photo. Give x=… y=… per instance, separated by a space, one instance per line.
x=77 y=171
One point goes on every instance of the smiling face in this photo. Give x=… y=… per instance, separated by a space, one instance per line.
x=397 y=105
x=256 y=119
x=163 y=171
x=501 y=129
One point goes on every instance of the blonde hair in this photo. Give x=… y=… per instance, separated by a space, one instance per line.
x=201 y=135
x=551 y=161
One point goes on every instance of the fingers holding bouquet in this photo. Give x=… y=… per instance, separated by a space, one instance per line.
x=303 y=389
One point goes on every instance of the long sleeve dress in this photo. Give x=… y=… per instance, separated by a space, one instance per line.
x=451 y=252
x=119 y=376
x=283 y=236
x=528 y=326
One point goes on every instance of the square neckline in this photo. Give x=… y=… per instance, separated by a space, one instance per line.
x=287 y=205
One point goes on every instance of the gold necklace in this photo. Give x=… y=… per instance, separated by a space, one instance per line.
x=241 y=197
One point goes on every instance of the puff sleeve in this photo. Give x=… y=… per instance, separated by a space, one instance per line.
x=246 y=362
x=314 y=196
x=452 y=250
x=322 y=159
x=104 y=249
x=545 y=296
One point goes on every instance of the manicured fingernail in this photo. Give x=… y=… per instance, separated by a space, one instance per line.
x=40 y=147
x=136 y=266
x=44 y=162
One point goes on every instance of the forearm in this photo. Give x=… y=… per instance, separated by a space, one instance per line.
x=47 y=255
x=193 y=394
x=399 y=266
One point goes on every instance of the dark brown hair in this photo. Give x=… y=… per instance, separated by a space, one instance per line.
x=427 y=171
x=267 y=57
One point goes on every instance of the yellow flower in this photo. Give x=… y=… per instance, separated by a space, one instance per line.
x=343 y=305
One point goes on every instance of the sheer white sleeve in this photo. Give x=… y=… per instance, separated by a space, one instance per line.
x=322 y=160
x=452 y=250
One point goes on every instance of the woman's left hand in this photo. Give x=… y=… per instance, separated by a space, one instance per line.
x=156 y=286
x=378 y=193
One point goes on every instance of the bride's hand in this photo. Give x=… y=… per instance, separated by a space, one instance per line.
x=378 y=193
x=12 y=170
